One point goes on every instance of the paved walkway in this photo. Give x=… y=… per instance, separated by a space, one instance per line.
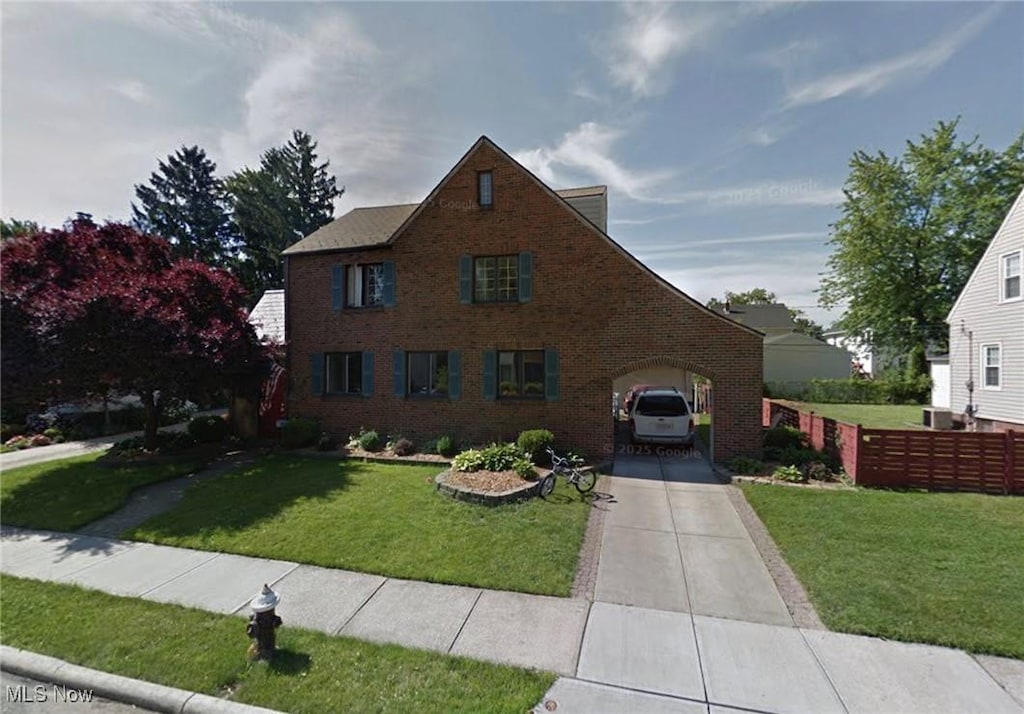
x=686 y=617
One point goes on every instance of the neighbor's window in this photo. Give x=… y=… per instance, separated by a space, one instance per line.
x=521 y=374
x=496 y=279
x=991 y=366
x=428 y=374
x=485 y=188
x=1011 y=274
x=344 y=372
x=364 y=285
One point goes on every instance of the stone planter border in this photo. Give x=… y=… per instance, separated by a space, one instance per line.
x=485 y=498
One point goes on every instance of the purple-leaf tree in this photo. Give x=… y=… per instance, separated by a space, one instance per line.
x=90 y=308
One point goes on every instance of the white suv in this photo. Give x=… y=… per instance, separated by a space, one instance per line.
x=661 y=416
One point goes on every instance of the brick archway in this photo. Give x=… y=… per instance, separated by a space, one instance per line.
x=686 y=366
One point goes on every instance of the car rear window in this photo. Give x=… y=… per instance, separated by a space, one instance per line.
x=667 y=405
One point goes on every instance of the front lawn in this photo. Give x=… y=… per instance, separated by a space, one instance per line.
x=205 y=652
x=379 y=518
x=943 y=568
x=70 y=493
x=875 y=416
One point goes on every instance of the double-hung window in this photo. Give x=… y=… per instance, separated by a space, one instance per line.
x=991 y=366
x=364 y=285
x=427 y=373
x=521 y=374
x=1010 y=276
x=496 y=278
x=344 y=372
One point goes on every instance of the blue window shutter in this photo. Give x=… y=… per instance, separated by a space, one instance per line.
x=337 y=286
x=490 y=374
x=525 y=277
x=399 y=371
x=389 y=283
x=454 y=374
x=466 y=279
x=551 y=375
x=316 y=373
x=367 y=374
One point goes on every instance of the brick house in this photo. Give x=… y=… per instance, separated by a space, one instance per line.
x=497 y=305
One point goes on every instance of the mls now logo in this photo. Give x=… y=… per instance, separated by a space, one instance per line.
x=25 y=694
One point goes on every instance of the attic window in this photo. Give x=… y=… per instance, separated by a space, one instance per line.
x=1011 y=276
x=485 y=189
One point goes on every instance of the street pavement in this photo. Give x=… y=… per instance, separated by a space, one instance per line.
x=29 y=696
x=686 y=616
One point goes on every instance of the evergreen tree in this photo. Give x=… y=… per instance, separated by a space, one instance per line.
x=288 y=197
x=185 y=203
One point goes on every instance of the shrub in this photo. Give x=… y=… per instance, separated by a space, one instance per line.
x=446 y=445
x=469 y=460
x=17 y=442
x=370 y=441
x=177 y=411
x=524 y=467
x=798 y=457
x=745 y=465
x=209 y=429
x=53 y=433
x=326 y=442
x=501 y=457
x=789 y=473
x=901 y=389
x=534 y=442
x=299 y=433
x=9 y=431
x=785 y=437
x=403 y=447
x=39 y=440
x=818 y=471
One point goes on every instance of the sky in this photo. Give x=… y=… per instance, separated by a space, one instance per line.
x=722 y=130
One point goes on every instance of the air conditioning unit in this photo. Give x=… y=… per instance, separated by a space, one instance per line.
x=938 y=418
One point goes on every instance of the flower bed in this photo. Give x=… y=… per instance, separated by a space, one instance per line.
x=489 y=488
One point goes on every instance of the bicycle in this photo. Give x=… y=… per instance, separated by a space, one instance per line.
x=569 y=470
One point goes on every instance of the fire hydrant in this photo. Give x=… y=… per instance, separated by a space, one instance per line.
x=263 y=624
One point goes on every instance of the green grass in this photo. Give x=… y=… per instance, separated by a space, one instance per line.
x=379 y=518
x=947 y=569
x=205 y=652
x=67 y=494
x=876 y=416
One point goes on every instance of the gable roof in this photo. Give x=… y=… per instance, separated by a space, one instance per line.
x=555 y=195
x=374 y=226
x=761 y=317
x=799 y=338
x=268 y=316
x=359 y=228
x=1016 y=213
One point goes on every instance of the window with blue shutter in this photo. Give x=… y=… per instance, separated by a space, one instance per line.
x=551 y=375
x=367 y=374
x=490 y=374
x=316 y=373
x=466 y=279
x=389 y=283
x=399 y=372
x=454 y=374
x=525 y=277
x=337 y=287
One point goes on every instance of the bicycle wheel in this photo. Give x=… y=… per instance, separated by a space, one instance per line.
x=547 y=485
x=585 y=480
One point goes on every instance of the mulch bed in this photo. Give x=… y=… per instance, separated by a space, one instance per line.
x=356 y=452
x=488 y=481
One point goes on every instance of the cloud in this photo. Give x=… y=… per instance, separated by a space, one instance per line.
x=795 y=192
x=735 y=240
x=873 y=78
x=134 y=90
x=587 y=150
x=647 y=38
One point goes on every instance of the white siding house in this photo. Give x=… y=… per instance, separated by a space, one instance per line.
x=986 y=331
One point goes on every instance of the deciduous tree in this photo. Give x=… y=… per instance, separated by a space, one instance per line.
x=89 y=308
x=912 y=229
x=761 y=296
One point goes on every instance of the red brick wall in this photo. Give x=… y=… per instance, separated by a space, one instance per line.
x=604 y=314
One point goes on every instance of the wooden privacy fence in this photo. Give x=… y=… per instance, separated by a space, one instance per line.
x=936 y=460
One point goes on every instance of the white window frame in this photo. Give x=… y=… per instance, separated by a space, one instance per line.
x=1003 y=276
x=356 y=276
x=983 y=362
